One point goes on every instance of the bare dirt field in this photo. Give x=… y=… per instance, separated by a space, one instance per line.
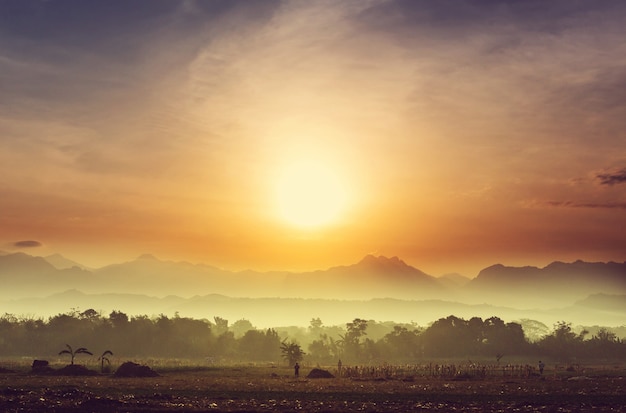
x=255 y=389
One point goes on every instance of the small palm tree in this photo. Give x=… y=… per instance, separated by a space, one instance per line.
x=104 y=358
x=73 y=353
x=292 y=352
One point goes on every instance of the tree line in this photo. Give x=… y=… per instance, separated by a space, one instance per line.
x=359 y=341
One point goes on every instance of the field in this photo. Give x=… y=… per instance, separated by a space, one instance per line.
x=266 y=389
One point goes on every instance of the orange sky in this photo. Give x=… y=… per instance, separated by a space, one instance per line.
x=462 y=133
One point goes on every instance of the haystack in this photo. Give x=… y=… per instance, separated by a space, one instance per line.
x=320 y=374
x=130 y=369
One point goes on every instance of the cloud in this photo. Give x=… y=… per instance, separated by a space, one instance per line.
x=612 y=178
x=27 y=244
x=571 y=204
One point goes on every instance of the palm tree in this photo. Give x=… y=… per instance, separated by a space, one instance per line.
x=104 y=358
x=73 y=353
x=292 y=352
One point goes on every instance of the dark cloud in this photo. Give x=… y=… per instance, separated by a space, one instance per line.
x=109 y=25
x=612 y=178
x=571 y=204
x=27 y=244
x=459 y=15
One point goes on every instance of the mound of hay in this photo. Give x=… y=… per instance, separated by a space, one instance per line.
x=75 y=370
x=41 y=367
x=320 y=374
x=130 y=369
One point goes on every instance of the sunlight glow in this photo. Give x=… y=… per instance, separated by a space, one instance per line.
x=309 y=195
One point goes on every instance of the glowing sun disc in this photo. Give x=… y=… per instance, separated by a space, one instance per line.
x=309 y=195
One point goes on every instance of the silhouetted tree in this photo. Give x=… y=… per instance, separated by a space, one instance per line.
x=225 y=345
x=72 y=353
x=352 y=339
x=315 y=326
x=221 y=325
x=240 y=327
x=402 y=344
x=292 y=352
x=89 y=315
x=118 y=319
x=534 y=330
x=321 y=350
x=606 y=344
x=563 y=343
x=446 y=337
x=258 y=345
x=103 y=358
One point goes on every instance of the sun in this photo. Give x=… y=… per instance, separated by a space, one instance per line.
x=309 y=195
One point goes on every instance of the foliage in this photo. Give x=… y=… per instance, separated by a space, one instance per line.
x=357 y=342
x=292 y=352
x=73 y=353
x=103 y=358
x=563 y=344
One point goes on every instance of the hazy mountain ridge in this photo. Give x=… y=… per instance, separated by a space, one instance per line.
x=61 y=263
x=387 y=277
x=275 y=311
x=556 y=285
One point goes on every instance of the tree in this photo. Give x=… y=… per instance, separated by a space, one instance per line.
x=292 y=352
x=73 y=353
x=257 y=345
x=104 y=358
x=450 y=336
x=563 y=343
x=402 y=343
x=321 y=350
x=90 y=315
x=604 y=335
x=315 y=326
x=118 y=319
x=352 y=339
x=221 y=325
x=240 y=327
x=534 y=330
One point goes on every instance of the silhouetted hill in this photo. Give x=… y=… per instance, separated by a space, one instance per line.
x=453 y=280
x=604 y=302
x=555 y=286
x=24 y=264
x=149 y=275
x=556 y=272
x=370 y=277
x=271 y=312
x=59 y=262
x=24 y=275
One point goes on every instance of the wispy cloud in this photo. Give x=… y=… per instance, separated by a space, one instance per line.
x=572 y=204
x=27 y=244
x=612 y=178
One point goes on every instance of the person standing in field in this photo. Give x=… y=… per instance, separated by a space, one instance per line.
x=296 y=369
x=542 y=365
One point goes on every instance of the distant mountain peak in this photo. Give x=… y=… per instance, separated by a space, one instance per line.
x=147 y=257
x=60 y=262
x=382 y=264
x=381 y=259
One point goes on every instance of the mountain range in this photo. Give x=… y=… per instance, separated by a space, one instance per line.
x=386 y=288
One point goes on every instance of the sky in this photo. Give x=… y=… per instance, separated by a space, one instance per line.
x=299 y=135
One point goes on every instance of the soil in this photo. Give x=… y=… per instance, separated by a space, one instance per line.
x=237 y=390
